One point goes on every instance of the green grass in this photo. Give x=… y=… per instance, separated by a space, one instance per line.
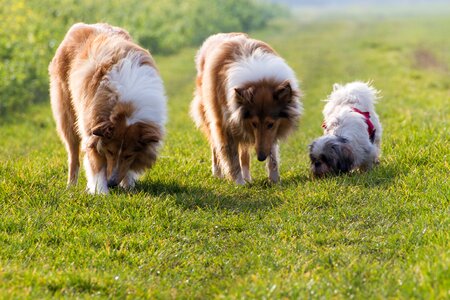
x=185 y=234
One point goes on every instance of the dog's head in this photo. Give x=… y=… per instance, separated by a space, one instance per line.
x=125 y=147
x=330 y=154
x=266 y=111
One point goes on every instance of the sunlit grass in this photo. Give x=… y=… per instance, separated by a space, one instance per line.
x=185 y=234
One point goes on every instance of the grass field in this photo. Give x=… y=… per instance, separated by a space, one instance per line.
x=185 y=234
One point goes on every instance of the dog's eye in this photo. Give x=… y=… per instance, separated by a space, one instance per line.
x=254 y=124
x=270 y=125
x=246 y=114
x=127 y=157
x=109 y=152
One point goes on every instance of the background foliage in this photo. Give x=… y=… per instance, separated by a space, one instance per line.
x=32 y=30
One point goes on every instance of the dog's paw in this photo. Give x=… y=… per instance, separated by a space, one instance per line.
x=97 y=190
x=240 y=180
x=246 y=175
x=274 y=178
x=128 y=184
x=217 y=172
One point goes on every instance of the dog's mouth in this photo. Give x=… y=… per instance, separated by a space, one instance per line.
x=319 y=170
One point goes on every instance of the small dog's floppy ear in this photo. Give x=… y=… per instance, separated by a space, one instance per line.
x=244 y=94
x=345 y=158
x=104 y=129
x=336 y=86
x=283 y=92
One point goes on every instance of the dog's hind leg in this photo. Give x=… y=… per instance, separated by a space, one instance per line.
x=65 y=122
x=244 y=157
x=272 y=164
x=378 y=152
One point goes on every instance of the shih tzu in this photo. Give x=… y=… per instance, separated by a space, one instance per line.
x=352 y=131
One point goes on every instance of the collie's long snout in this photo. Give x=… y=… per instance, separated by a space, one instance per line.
x=261 y=156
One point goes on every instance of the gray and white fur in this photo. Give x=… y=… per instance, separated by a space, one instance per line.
x=346 y=144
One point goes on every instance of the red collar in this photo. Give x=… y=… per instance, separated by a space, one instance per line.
x=370 y=128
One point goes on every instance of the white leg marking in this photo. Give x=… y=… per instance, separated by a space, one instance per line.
x=272 y=164
x=96 y=183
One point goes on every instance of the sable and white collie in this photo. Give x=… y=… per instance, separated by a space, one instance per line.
x=352 y=131
x=246 y=95
x=108 y=97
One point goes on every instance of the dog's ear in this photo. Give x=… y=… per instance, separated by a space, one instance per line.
x=104 y=129
x=149 y=134
x=344 y=158
x=283 y=92
x=244 y=95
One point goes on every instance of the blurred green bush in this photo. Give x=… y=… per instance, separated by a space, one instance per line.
x=31 y=31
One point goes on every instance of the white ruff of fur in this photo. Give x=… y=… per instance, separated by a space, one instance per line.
x=142 y=86
x=258 y=66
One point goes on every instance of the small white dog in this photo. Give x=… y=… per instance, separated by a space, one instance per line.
x=352 y=131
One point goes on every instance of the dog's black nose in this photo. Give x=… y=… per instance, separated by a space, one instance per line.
x=261 y=156
x=112 y=183
x=317 y=164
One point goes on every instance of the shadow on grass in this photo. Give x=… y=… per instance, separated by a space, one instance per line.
x=381 y=175
x=296 y=179
x=236 y=199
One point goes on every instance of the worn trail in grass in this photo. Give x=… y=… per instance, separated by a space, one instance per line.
x=186 y=234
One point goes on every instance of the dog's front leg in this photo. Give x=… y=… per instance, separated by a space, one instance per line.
x=244 y=157
x=226 y=154
x=272 y=164
x=216 y=169
x=229 y=160
x=95 y=167
x=232 y=153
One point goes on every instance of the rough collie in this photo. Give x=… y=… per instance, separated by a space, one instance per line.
x=352 y=131
x=246 y=95
x=107 y=97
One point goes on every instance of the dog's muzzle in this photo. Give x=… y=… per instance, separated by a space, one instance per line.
x=112 y=183
x=261 y=156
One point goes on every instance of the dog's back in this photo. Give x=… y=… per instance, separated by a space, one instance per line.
x=356 y=94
